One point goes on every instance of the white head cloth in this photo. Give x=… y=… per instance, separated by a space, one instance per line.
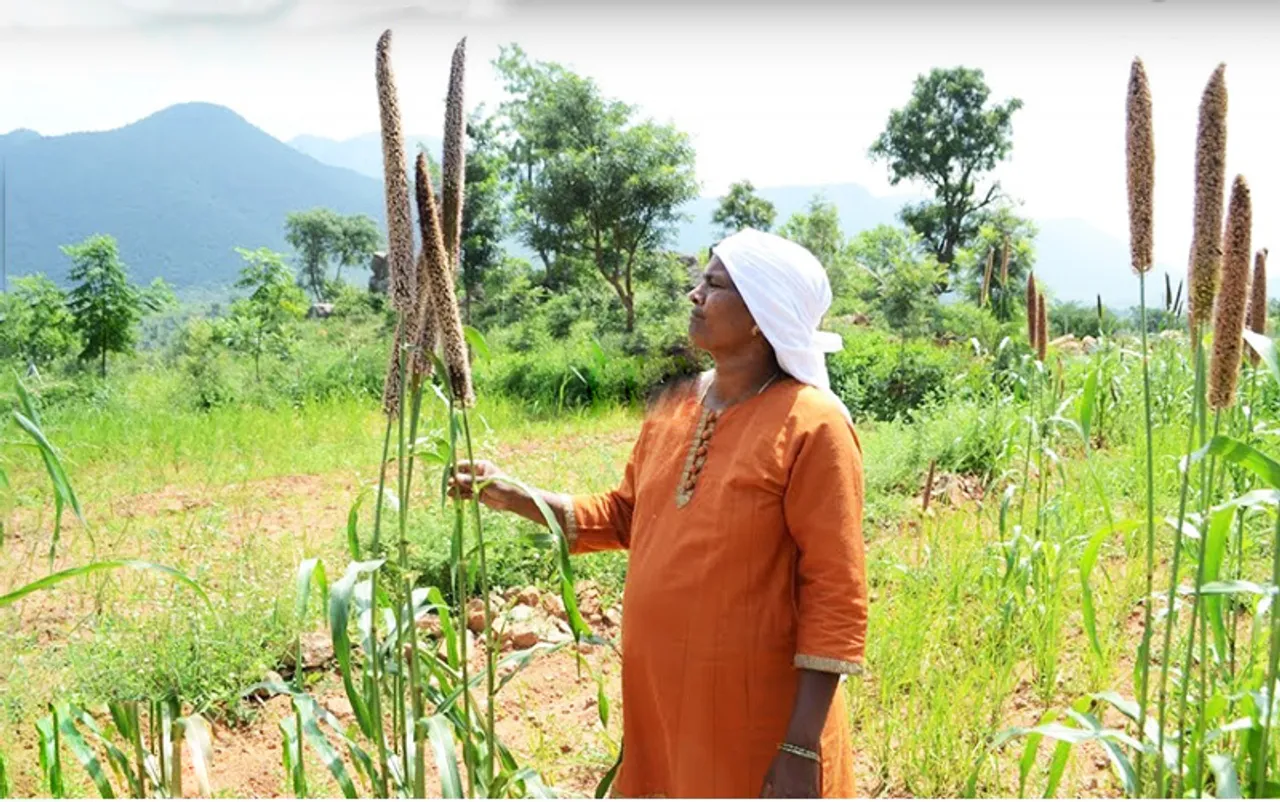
x=787 y=292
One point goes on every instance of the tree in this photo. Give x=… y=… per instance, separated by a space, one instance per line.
x=358 y=239
x=483 y=222
x=105 y=305
x=593 y=187
x=1005 y=292
x=743 y=208
x=36 y=324
x=818 y=230
x=904 y=273
x=260 y=323
x=320 y=235
x=947 y=137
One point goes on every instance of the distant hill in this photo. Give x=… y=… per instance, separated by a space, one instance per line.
x=1075 y=259
x=363 y=153
x=183 y=187
x=179 y=190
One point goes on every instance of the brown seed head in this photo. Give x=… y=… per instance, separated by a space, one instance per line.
x=426 y=329
x=986 y=279
x=1211 y=163
x=1258 y=299
x=1140 y=151
x=400 y=260
x=442 y=298
x=453 y=164
x=1258 y=290
x=1042 y=329
x=1228 y=318
x=1032 y=313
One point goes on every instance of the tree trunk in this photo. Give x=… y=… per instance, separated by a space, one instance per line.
x=629 y=303
x=104 y=363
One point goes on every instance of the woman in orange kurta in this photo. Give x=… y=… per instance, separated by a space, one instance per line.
x=741 y=509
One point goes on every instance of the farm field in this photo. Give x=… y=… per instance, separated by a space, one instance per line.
x=231 y=564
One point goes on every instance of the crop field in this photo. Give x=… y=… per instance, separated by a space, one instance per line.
x=229 y=566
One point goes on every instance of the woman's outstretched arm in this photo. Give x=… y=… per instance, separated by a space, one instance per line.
x=497 y=493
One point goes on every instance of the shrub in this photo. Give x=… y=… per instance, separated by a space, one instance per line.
x=883 y=378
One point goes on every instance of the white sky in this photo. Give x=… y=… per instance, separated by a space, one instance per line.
x=778 y=96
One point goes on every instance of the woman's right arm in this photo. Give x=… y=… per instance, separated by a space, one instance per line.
x=599 y=522
x=504 y=496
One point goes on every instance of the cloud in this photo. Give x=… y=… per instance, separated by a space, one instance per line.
x=81 y=15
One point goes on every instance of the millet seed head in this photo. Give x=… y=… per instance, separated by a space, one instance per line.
x=426 y=330
x=400 y=261
x=1258 y=299
x=443 y=300
x=1229 y=313
x=1211 y=163
x=986 y=279
x=1032 y=313
x=1042 y=329
x=454 y=160
x=1140 y=152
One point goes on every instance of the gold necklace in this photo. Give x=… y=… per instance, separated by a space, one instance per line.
x=697 y=456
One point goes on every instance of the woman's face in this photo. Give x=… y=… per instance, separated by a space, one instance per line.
x=720 y=321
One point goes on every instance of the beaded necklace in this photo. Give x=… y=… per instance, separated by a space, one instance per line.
x=697 y=456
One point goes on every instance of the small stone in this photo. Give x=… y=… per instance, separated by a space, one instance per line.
x=430 y=625
x=529 y=597
x=554 y=606
x=317 y=650
x=613 y=617
x=475 y=620
x=339 y=706
x=521 y=613
x=524 y=637
x=566 y=749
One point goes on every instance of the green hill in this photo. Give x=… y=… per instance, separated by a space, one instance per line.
x=180 y=190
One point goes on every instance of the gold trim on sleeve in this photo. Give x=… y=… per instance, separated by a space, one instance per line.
x=570 y=521
x=827 y=664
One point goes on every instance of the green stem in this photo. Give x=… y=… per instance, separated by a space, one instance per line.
x=461 y=585
x=490 y=651
x=1033 y=394
x=1144 y=650
x=1206 y=477
x=1247 y=437
x=1273 y=661
x=415 y=688
x=1197 y=402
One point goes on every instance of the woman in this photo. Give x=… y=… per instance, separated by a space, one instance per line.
x=741 y=506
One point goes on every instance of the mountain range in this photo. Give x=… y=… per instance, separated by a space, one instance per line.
x=182 y=188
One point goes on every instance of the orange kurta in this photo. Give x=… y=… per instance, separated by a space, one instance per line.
x=761 y=572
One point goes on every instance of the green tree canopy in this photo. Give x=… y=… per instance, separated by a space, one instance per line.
x=484 y=223
x=948 y=137
x=593 y=187
x=36 y=325
x=818 y=229
x=905 y=274
x=743 y=208
x=320 y=236
x=260 y=323
x=105 y=305
x=999 y=229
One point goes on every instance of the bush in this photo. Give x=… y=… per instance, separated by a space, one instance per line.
x=881 y=377
x=963 y=321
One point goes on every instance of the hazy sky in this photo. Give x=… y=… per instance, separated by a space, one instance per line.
x=777 y=95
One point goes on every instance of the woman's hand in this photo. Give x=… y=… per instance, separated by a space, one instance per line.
x=791 y=777
x=495 y=492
